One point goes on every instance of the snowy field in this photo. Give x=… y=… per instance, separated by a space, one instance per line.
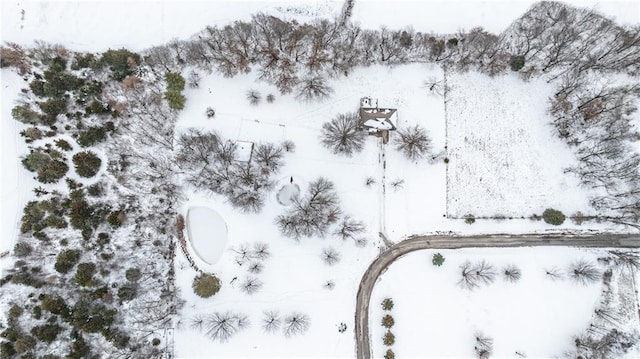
x=504 y=157
x=16 y=182
x=417 y=205
x=295 y=278
x=436 y=318
x=88 y=25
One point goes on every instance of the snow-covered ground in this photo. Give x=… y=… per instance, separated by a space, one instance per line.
x=504 y=157
x=15 y=182
x=138 y=25
x=89 y=25
x=295 y=278
x=436 y=318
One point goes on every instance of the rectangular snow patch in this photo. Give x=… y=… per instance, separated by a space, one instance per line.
x=261 y=131
x=504 y=157
x=245 y=149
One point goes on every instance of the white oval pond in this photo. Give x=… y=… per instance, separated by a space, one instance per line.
x=207 y=233
x=288 y=193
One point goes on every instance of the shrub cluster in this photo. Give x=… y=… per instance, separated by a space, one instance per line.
x=122 y=63
x=206 y=285
x=173 y=95
x=87 y=163
x=48 y=164
x=437 y=259
x=91 y=136
x=553 y=216
x=66 y=260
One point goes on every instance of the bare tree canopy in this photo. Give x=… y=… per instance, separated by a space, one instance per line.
x=342 y=135
x=413 y=142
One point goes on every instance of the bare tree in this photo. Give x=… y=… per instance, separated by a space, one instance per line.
x=269 y=156
x=210 y=163
x=261 y=250
x=554 y=273
x=397 y=184
x=609 y=315
x=342 y=135
x=628 y=259
x=196 y=149
x=313 y=214
x=612 y=344
x=243 y=254
x=242 y=320
x=484 y=346
x=474 y=275
x=413 y=142
x=295 y=324
x=221 y=326
x=370 y=181
x=361 y=242
x=329 y=285
x=349 y=228
x=289 y=146
x=254 y=97
x=583 y=272
x=271 y=98
x=435 y=86
x=193 y=80
x=468 y=279
x=256 y=267
x=511 y=273
x=251 y=285
x=196 y=322
x=271 y=321
x=330 y=256
x=313 y=88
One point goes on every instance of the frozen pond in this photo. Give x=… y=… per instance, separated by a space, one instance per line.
x=207 y=233
x=288 y=193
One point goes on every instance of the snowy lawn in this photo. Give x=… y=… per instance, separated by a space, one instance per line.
x=16 y=182
x=504 y=157
x=435 y=317
x=415 y=191
x=207 y=233
x=89 y=25
x=293 y=278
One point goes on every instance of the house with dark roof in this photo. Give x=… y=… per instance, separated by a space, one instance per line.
x=375 y=120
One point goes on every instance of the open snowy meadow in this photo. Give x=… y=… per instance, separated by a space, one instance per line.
x=504 y=159
x=536 y=315
x=298 y=278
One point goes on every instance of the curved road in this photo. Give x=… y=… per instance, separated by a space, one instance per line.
x=386 y=258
